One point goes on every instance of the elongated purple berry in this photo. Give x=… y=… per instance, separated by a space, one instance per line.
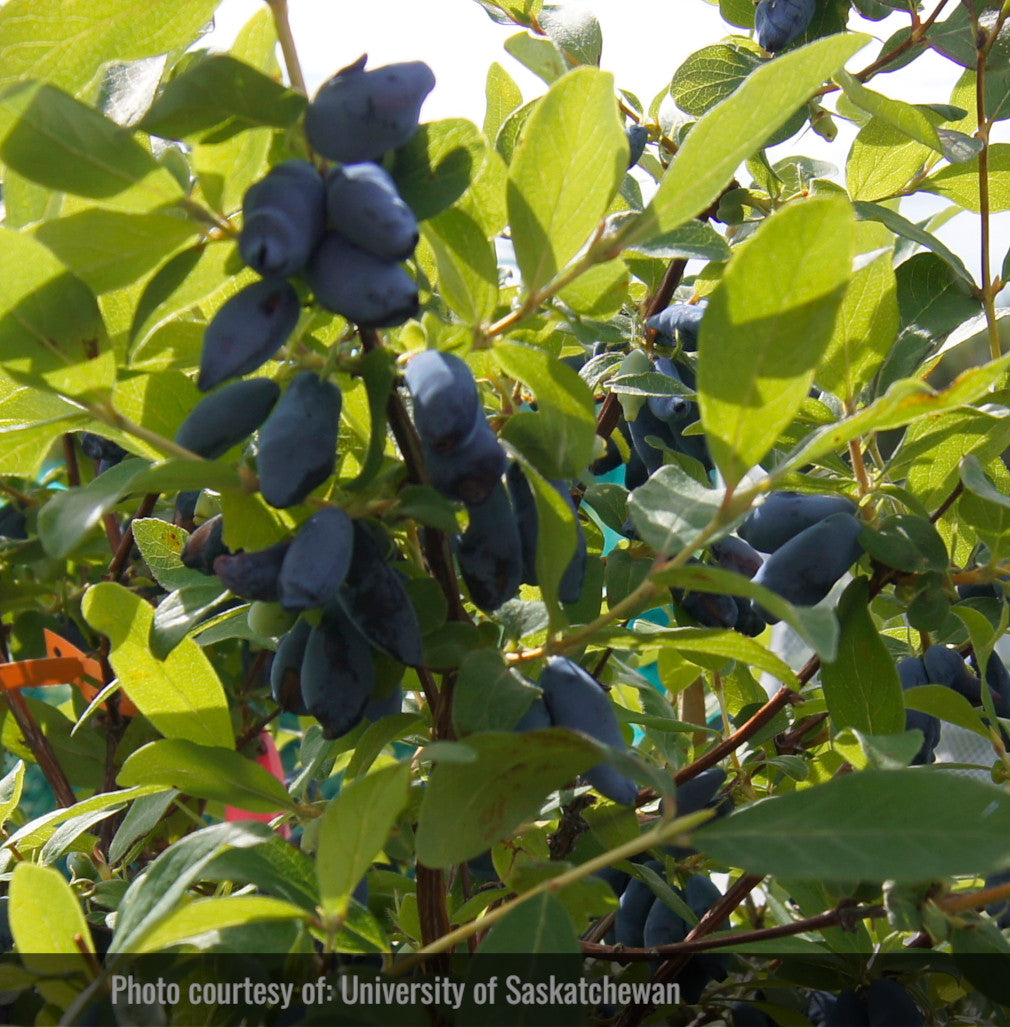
x=367 y=290
x=365 y=208
x=317 y=561
x=446 y=404
x=357 y=115
x=247 y=331
x=283 y=217
x=298 y=443
x=780 y=22
x=576 y=700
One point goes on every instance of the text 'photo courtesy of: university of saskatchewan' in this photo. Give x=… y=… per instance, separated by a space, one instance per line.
x=545 y=571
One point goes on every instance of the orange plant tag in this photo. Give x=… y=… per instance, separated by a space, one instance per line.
x=57 y=646
x=38 y=673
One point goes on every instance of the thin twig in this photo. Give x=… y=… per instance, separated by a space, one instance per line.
x=832 y=918
x=279 y=10
x=35 y=739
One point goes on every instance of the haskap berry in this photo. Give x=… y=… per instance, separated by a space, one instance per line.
x=357 y=115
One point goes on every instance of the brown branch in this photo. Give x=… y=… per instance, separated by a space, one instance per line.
x=636 y=1012
x=432 y=912
x=254 y=730
x=782 y=698
x=34 y=737
x=70 y=459
x=660 y=299
x=434 y=543
x=125 y=545
x=843 y=915
x=947 y=503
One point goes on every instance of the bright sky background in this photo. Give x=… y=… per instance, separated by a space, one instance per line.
x=644 y=42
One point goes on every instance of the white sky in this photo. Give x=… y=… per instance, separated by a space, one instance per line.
x=644 y=42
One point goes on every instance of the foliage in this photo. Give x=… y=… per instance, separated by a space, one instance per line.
x=658 y=349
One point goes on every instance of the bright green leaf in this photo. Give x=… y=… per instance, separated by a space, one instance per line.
x=902 y=825
x=208 y=772
x=64 y=41
x=217 y=97
x=735 y=128
x=51 y=330
x=53 y=139
x=767 y=324
x=181 y=696
x=864 y=331
x=569 y=163
x=861 y=684
x=354 y=829
x=491 y=796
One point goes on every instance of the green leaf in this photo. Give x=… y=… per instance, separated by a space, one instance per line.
x=556 y=539
x=160 y=544
x=491 y=796
x=378 y=372
x=467 y=266
x=37 y=832
x=960 y=182
x=735 y=128
x=69 y=831
x=861 y=684
x=883 y=161
x=600 y=292
x=907 y=543
x=204 y=917
x=177 y=474
x=435 y=167
x=975 y=480
x=561 y=443
x=948 y=705
x=143 y=816
x=64 y=41
x=69 y=516
x=706 y=642
x=218 y=96
x=502 y=96
x=905 y=402
x=53 y=139
x=697 y=240
x=208 y=772
x=881 y=752
x=45 y=916
x=489 y=695
x=540 y=924
x=864 y=331
x=354 y=829
x=955 y=38
x=902 y=825
x=763 y=332
x=154 y=895
x=711 y=74
x=933 y=300
x=575 y=31
x=277 y=867
x=181 y=696
x=908 y=230
x=51 y=330
x=570 y=161
x=909 y=120
x=537 y=54
x=181 y=610
x=10 y=790
x=109 y=249
x=190 y=279
x=672 y=509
